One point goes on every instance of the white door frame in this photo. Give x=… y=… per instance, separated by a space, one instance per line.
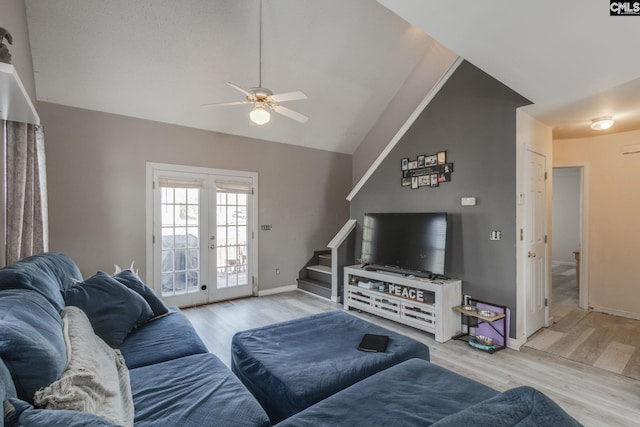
x=583 y=301
x=149 y=220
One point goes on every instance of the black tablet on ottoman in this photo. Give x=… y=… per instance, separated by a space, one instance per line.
x=374 y=343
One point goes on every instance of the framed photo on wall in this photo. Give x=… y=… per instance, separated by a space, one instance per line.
x=405 y=164
x=442 y=157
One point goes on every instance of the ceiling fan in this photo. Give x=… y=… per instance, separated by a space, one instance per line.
x=263 y=99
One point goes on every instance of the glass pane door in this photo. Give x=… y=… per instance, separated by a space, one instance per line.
x=233 y=276
x=180 y=266
x=202 y=236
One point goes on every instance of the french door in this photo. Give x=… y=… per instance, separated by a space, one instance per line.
x=202 y=242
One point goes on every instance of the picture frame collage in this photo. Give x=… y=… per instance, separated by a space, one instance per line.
x=426 y=170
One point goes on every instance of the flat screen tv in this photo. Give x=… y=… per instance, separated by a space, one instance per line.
x=405 y=241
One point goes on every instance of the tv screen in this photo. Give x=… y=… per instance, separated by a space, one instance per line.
x=407 y=241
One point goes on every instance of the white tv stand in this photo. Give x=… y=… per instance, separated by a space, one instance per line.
x=433 y=312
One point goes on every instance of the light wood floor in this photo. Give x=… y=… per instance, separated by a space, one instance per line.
x=596 y=339
x=594 y=396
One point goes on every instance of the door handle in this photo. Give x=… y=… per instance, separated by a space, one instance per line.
x=212 y=246
x=531 y=255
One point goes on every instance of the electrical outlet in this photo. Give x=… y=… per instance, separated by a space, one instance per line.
x=495 y=235
x=277 y=271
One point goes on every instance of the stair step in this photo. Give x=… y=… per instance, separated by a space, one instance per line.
x=324 y=259
x=320 y=268
x=317 y=287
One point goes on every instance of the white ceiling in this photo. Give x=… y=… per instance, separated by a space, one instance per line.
x=161 y=59
x=569 y=57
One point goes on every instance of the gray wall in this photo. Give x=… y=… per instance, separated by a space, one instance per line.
x=13 y=17
x=566 y=214
x=473 y=118
x=435 y=62
x=96 y=177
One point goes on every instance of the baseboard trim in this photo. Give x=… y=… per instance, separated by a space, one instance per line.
x=278 y=290
x=516 y=343
x=620 y=313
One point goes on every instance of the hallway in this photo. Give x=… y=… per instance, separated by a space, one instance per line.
x=601 y=340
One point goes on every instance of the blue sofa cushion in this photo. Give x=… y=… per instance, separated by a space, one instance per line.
x=412 y=393
x=163 y=339
x=27 y=416
x=290 y=366
x=113 y=309
x=521 y=406
x=197 y=390
x=50 y=274
x=31 y=340
x=131 y=281
x=7 y=389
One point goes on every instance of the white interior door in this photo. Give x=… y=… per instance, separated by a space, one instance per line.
x=535 y=238
x=202 y=235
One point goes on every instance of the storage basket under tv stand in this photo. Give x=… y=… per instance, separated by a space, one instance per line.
x=435 y=315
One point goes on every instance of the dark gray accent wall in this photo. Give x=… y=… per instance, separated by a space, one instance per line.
x=473 y=119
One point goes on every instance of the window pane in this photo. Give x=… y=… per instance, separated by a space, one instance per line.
x=222 y=236
x=193 y=261
x=222 y=277
x=180 y=283
x=167 y=284
x=180 y=195
x=180 y=260
x=232 y=199
x=180 y=237
x=167 y=214
x=242 y=199
x=167 y=237
x=241 y=215
x=192 y=215
x=192 y=281
x=181 y=215
x=167 y=261
x=193 y=196
x=221 y=212
x=193 y=241
x=242 y=235
x=167 y=195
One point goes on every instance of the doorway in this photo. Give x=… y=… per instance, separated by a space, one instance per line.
x=569 y=243
x=202 y=242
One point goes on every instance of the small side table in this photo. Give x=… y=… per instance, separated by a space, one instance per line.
x=470 y=311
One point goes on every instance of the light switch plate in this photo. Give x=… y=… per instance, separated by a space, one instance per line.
x=468 y=201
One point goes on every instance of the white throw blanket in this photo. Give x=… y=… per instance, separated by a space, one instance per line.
x=95 y=380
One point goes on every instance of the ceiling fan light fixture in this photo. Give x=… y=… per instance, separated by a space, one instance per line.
x=602 y=123
x=259 y=115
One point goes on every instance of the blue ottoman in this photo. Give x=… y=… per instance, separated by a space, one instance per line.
x=292 y=365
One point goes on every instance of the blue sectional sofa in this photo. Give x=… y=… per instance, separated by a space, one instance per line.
x=174 y=380
x=159 y=360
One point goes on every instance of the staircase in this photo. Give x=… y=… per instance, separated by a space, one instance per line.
x=315 y=277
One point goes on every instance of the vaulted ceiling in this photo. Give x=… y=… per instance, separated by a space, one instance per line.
x=161 y=59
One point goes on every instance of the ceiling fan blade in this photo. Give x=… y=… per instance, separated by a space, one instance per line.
x=288 y=96
x=238 y=88
x=290 y=113
x=225 y=104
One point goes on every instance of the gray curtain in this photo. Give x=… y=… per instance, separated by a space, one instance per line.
x=26 y=192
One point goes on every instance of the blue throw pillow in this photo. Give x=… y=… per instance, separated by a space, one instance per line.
x=131 y=281
x=25 y=415
x=31 y=340
x=113 y=309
